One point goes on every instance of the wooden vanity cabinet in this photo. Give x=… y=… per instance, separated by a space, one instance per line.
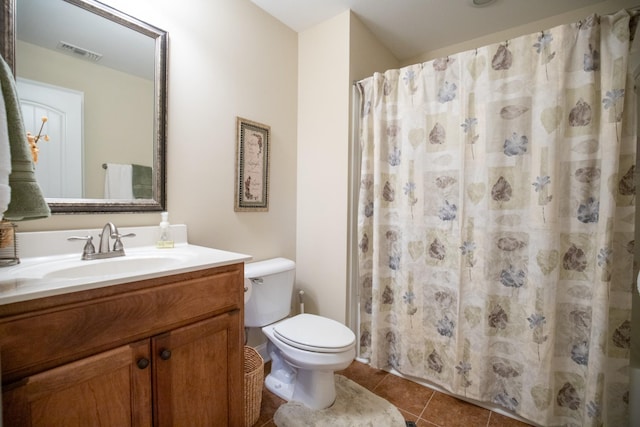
x=105 y=389
x=162 y=352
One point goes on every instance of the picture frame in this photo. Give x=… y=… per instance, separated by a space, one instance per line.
x=252 y=166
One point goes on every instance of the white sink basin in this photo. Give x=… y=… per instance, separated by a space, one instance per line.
x=113 y=266
x=134 y=263
x=37 y=277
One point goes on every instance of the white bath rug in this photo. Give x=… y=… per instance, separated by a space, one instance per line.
x=355 y=406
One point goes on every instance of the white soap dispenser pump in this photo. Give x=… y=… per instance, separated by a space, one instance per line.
x=164 y=240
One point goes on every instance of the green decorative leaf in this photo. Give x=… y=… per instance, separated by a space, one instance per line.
x=511 y=220
x=416 y=249
x=547 y=260
x=582 y=292
x=513 y=111
x=551 y=118
x=476 y=66
x=588 y=146
x=416 y=136
x=415 y=357
x=476 y=191
x=472 y=315
x=512 y=86
x=541 y=395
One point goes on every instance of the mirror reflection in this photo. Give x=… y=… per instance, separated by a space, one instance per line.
x=91 y=80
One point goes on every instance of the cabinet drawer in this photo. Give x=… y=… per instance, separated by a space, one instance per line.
x=42 y=339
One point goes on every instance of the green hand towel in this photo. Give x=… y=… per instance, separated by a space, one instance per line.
x=141 y=180
x=27 y=201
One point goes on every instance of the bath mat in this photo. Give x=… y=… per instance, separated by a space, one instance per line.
x=355 y=406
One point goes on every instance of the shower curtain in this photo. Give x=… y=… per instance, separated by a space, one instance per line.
x=496 y=222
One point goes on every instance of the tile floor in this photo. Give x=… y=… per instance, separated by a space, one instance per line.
x=425 y=407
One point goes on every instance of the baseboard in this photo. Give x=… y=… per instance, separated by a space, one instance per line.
x=262 y=349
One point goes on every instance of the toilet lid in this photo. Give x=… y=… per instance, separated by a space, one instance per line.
x=315 y=333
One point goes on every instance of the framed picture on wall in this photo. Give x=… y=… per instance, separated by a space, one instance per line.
x=252 y=166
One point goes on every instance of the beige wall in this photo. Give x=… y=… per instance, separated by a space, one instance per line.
x=331 y=55
x=323 y=123
x=110 y=97
x=366 y=54
x=227 y=58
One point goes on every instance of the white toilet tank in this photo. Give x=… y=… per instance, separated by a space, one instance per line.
x=271 y=284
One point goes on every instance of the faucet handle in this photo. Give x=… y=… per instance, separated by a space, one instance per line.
x=88 y=249
x=118 y=246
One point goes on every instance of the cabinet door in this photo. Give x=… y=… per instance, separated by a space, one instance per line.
x=198 y=374
x=108 y=389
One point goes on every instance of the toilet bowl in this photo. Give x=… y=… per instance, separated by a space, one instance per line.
x=305 y=349
x=305 y=352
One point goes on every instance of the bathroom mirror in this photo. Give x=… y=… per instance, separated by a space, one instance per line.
x=126 y=49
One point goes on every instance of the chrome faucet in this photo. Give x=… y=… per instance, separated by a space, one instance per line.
x=109 y=229
x=104 y=248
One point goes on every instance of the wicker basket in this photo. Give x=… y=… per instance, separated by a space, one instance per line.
x=253 y=378
x=8 y=246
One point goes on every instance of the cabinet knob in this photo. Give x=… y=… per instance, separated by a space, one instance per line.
x=165 y=354
x=143 y=363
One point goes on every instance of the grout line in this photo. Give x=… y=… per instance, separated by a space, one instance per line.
x=489 y=419
x=380 y=382
x=426 y=405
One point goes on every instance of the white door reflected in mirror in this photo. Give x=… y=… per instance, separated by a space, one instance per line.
x=59 y=167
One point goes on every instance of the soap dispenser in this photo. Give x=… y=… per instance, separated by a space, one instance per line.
x=164 y=239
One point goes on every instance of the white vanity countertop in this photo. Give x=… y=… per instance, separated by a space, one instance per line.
x=51 y=265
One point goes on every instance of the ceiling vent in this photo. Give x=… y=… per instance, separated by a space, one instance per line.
x=480 y=3
x=78 y=51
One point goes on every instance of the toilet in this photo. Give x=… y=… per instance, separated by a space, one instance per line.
x=305 y=349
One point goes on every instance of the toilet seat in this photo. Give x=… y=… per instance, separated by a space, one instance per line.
x=314 y=333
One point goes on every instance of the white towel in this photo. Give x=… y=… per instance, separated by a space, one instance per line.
x=5 y=159
x=117 y=182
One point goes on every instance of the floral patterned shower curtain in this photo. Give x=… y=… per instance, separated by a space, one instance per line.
x=496 y=222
